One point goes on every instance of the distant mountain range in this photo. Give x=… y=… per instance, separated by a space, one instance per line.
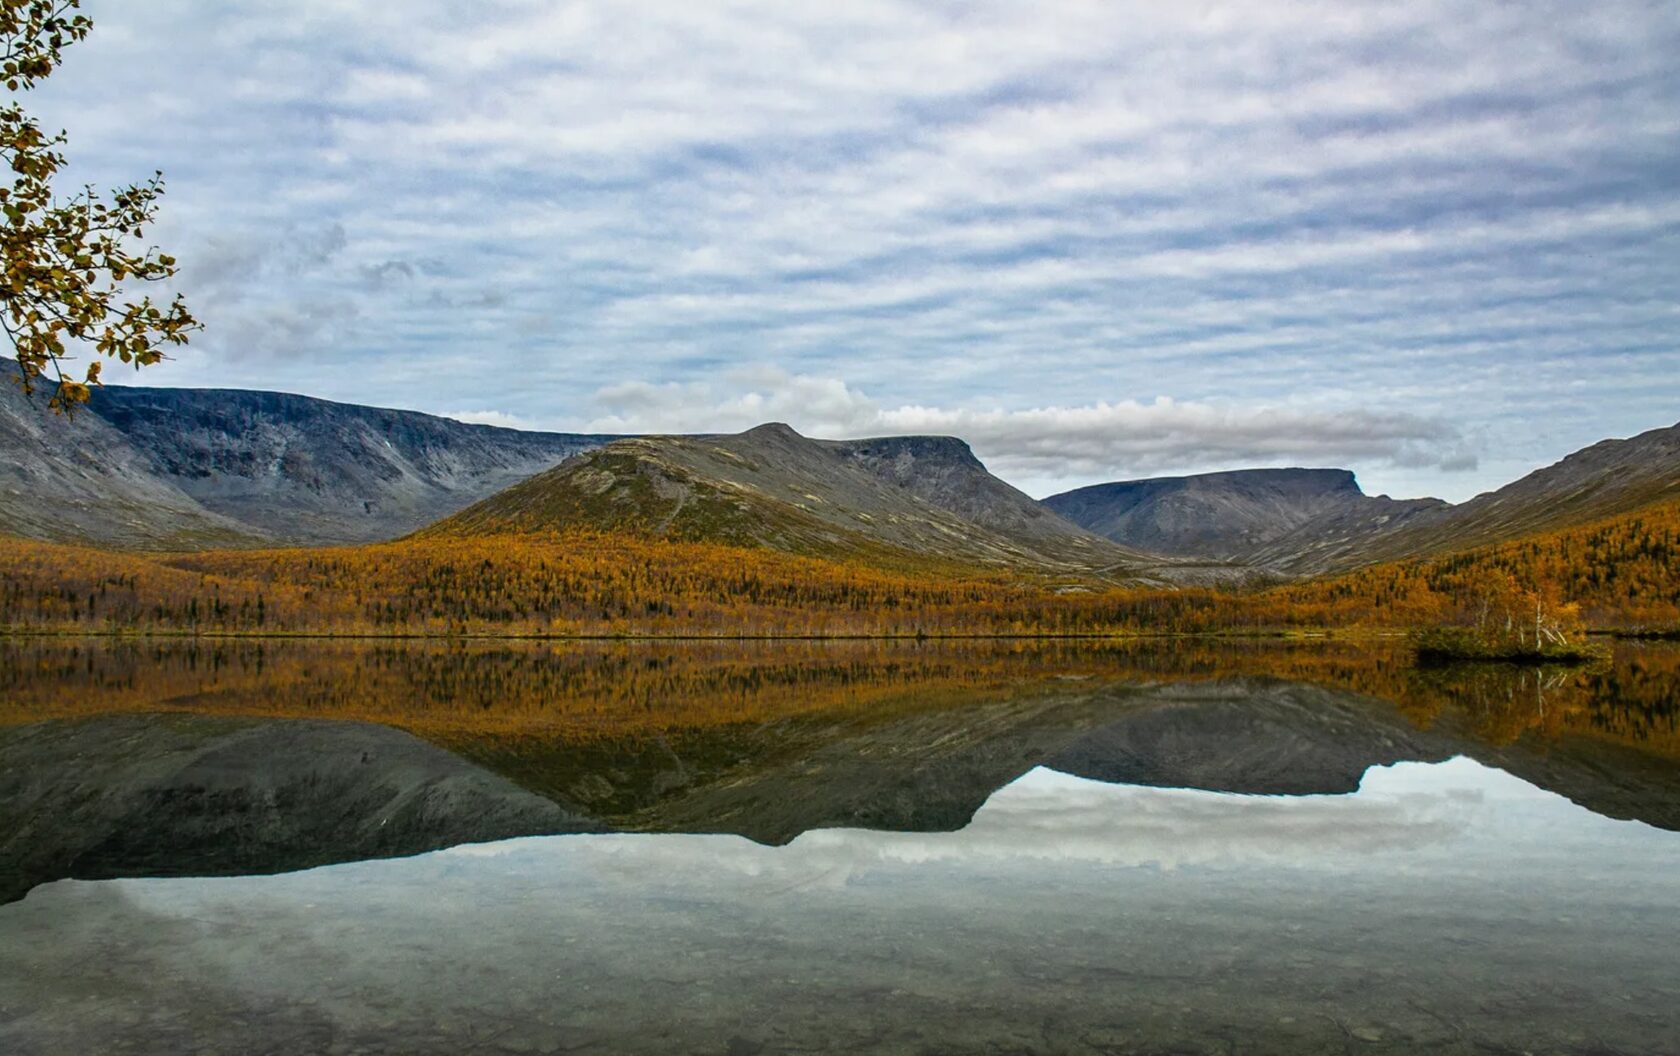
x=195 y=468
x=1239 y=515
x=1317 y=520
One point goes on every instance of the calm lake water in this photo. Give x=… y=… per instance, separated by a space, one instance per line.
x=1183 y=847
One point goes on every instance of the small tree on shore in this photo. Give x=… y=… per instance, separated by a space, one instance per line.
x=1496 y=616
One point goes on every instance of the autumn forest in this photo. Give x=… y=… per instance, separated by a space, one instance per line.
x=1619 y=574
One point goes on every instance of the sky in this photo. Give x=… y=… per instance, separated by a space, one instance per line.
x=1436 y=242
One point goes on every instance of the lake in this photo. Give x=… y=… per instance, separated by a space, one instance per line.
x=1141 y=847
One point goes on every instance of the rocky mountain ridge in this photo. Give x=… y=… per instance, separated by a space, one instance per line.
x=1610 y=478
x=769 y=486
x=82 y=481
x=158 y=468
x=308 y=471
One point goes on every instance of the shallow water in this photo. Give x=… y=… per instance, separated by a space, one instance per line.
x=1437 y=904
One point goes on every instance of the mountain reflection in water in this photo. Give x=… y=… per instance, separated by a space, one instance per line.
x=1443 y=907
x=123 y=758
x=1145 y=847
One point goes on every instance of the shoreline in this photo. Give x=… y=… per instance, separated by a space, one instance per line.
x=1313 y=635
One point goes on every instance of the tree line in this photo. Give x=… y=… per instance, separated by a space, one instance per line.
x=1619 y=573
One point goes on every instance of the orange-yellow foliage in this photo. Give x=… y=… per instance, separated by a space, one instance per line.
x=1621 y=572
x=500 y=697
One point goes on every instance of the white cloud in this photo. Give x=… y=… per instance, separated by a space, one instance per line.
x=1045 y=447
x=501 y=419
x=1436 y=211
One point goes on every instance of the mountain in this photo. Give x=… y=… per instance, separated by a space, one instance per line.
x=80 y=480
x=195 y=468
x=1308 y=521
x=1232 y=515
x=943 y=472
x=926 y=497
x=1609 y=478
x=202 y=468
x=309 y=471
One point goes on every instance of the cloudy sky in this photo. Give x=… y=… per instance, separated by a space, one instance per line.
x=1437 y=241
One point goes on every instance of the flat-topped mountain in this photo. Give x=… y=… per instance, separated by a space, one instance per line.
x=1305 y=521
x=770 y=486
x=193 y=468
x=313 y=471
x=186 y=469
x=1229 y=515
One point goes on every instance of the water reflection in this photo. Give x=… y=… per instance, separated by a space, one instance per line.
x=130 y=758
x=171 y=795
x=469 y=688
x=1441 y=908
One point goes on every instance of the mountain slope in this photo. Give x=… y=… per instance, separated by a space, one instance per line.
x=1609 y=478
x=1231 y=515
x=80 y=480
x=942 y=471
x=770 y=486
x=312 y=471
x=1312 y=521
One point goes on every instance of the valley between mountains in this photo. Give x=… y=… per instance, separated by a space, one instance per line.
x=212 y=511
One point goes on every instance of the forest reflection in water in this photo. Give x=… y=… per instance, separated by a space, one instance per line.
x=462 y=690
x=652 y=735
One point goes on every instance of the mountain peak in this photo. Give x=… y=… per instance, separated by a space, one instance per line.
x=773 y=430
x=895 y=499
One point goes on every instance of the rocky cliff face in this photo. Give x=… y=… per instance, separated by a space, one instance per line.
x=193 y=468
x=943 y=471
x=80 y=480
x=312 y=471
